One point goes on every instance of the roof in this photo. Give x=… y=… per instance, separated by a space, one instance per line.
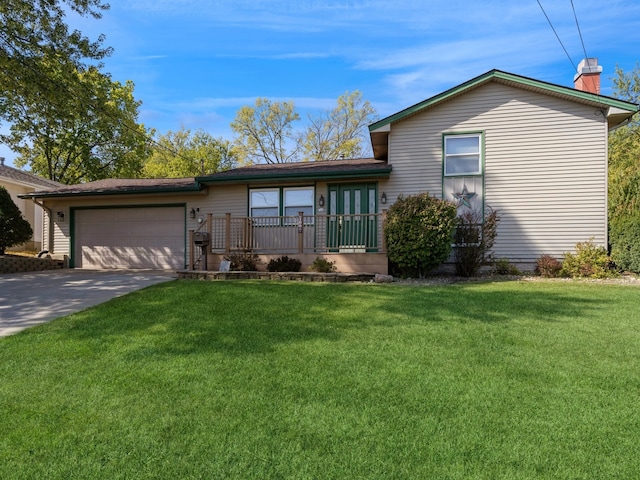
x=617 y=110
x=26 y=178
x=119 y=186
x=328 y=170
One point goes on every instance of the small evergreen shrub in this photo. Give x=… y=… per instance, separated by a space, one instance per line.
x=322 y=265
x=624 y=237
x=284 y=264
x=502 y=266
x=548 y=266
x=243 y=262
x=590 y=261
x=14 y=229
x=418 y=232
x=474 y=239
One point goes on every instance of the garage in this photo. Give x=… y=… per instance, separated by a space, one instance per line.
x=140 y=237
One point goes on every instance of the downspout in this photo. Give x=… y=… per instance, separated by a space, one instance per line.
x=50 y=229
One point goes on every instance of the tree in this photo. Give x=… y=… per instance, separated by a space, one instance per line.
x=418 y=232
x=39 y=55
x=183 y=154
x=624 y=177
x=342 y=132
x=265 y=132
x=14 y=229
x=95 y=136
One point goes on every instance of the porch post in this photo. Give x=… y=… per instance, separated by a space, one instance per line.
x=384 y=219
x=300 y=232
x=191 y=257
x=227 y=233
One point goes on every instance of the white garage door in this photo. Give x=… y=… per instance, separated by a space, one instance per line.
x=140 y=237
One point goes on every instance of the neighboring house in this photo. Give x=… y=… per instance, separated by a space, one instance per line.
x=534 y=151
x=18 y=182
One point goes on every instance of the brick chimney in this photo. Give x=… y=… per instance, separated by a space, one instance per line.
x=588 y=77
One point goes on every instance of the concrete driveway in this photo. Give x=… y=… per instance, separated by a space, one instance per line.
x=28 y=299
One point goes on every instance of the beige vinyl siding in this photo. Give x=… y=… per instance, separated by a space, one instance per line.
x=545 y=165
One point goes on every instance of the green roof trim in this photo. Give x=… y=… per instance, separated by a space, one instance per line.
x=131 y=191
x=509 y=77
x=284 y=176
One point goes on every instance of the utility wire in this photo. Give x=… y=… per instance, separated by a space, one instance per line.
x=579 y=32
x=557 y=36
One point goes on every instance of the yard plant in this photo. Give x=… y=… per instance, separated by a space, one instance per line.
x=255 y=379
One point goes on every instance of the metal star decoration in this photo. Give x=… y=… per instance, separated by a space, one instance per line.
x=464 y=197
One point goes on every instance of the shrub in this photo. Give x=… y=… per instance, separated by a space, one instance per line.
x=624 y=237
x=14 y=229
x=590 y=260
x=243 y=262
x=502 y=266
x=474 y=239
x=548 y=266
x=322 y=265
x=418 y=232
x=284 y=264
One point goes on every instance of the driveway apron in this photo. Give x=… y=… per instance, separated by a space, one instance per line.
x=28 y=299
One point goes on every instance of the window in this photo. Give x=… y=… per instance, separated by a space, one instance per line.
x=276 y=202
x=462 y=155
x=298 y=200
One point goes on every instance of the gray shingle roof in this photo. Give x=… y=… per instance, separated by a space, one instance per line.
x=27 y=178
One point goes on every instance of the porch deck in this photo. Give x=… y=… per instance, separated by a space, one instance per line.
x=355 y=241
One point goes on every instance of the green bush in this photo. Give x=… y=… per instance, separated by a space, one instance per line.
x=624 y=237
x=284 y=264
x=243 y=262
x=502 y=266
x=474 y=239
x=548 y=266
x=590 y=261
x=418 y=233
x=14 y=229
x=322 y=265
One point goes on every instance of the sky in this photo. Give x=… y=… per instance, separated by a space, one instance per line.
x=195 y=63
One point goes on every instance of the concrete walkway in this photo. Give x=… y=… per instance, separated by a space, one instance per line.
x=28 y=299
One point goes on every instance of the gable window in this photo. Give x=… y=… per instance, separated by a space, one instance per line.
x=462 y=154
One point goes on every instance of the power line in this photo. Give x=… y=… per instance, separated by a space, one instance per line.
x=557 y=36
x=579 y=32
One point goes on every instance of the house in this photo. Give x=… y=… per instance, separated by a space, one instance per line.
x=18 y=182
x=534 y=151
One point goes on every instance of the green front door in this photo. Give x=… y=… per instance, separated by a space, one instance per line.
x=353 y=227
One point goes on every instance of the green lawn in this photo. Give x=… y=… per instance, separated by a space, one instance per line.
x=267 y=380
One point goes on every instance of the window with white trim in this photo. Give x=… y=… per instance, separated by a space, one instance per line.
x=283 y=201
x=462 y=154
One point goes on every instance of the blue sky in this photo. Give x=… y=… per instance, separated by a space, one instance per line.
x=196 y=62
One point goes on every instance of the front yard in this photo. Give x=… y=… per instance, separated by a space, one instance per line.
x=270 y=380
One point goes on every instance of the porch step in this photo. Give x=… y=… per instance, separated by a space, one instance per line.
x=294 y=276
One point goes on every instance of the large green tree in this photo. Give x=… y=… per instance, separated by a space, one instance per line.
x=96 y=136
x=624 y=177
x=265 y=132
x=186 y=154
x=341 y=132
x=40 y=55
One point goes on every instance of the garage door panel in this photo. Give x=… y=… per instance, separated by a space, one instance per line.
x=145 y=237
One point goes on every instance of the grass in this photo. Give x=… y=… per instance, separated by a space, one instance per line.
x=269 y=380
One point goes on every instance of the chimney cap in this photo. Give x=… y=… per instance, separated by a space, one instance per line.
x=588 y=66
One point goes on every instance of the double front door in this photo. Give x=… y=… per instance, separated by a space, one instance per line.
x=352 y=223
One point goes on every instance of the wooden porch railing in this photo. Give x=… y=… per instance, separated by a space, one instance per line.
x=296 y=234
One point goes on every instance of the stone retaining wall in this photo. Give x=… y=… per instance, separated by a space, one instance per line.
x=296 y=276
x=17 y=264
